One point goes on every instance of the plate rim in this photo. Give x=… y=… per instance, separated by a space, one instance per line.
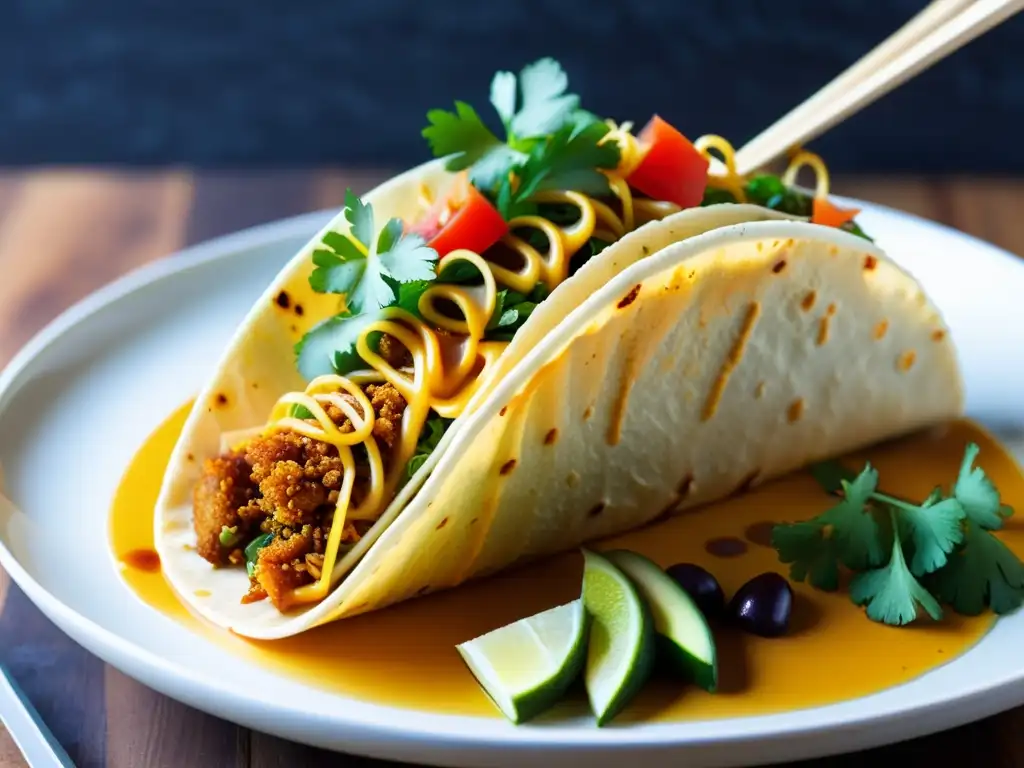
x=917 y=721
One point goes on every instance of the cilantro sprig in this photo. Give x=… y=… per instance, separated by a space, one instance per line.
x=372 y=271
x=367 y=267
x=907 y=556
x=549 y=141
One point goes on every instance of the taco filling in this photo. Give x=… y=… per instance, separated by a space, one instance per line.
x=430 y=303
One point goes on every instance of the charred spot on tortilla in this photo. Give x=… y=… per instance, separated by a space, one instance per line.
x=667 y=511
x=283 y=300
x=442 y=524
x=551 y=437
x=870 y=262
x=645 y=250
x=588 y=413
x=255 y=385
x=190 y=456
x=795 y=410
x=596 y=510
x=881 y=329
x=906 y=361
x=220 y=399
x=299 y=310
x=630 y=297
x=938 y=335
x=779 y=266
x=507 y=467
x=823 y=324
x=503 y=411
x=294 y=328
x=731 y=360
x=474 y=521
x=808 y=301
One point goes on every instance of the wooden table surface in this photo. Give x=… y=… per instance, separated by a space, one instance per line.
x=65 y=233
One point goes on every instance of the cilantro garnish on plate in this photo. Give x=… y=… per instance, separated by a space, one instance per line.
x=373 y=271
x=906 y=555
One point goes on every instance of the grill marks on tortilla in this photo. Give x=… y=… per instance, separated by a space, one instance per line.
x=795 y=410
x=808 y=301
x=283 y=300
x=731 y=361
x=823 y=324
x=507 y=467
x=881 y=329
x=906 y=360
x=630 y=297
x=551 y=436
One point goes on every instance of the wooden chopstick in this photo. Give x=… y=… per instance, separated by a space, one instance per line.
x=941 y=28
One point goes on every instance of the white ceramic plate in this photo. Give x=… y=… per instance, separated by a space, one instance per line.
x=101 y=377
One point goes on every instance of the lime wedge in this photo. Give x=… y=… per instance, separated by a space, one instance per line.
x=620 y=653
x=527 y=666
x=684 y=636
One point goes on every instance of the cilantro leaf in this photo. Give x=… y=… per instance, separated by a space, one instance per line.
x=330 y=345
x=984 y=572
x=366 y=267
x=933 y=529
x=855 y=530
x=809 y=552
x=503 y=96
x=830 y=475
x=977 y=494
x=433 y=431
x=892 y=594
x=569 y=159
x=360 y=217
x=409 y=295
x=546 y=107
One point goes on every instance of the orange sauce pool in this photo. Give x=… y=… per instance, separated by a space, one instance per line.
x=405 y=656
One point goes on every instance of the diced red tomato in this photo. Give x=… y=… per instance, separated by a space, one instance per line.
x=829 y=215
x=464 y=219
x=671 y=169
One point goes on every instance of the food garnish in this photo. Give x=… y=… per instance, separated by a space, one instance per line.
x=702 y=587
x=526 y=667
x=620 y=651
x=907 y=556
x=763 y=605
x=683 y=635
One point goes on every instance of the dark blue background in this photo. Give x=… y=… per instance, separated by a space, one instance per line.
x=347 y=82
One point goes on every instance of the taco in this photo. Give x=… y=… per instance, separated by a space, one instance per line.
x=550 y=339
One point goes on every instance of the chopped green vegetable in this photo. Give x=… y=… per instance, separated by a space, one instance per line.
x=892 y=594
x=297 y=411
x=433 y=431
x=365 y=269
x=511 y=310
x=228 y=535
x=252 y=551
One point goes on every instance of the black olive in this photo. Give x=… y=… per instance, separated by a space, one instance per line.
x=701 y=586
x=763 y=605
